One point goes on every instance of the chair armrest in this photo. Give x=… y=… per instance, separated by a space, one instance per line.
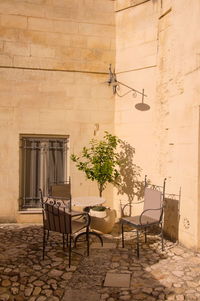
x=130 y=204
x=79 y=215
x=154 y=209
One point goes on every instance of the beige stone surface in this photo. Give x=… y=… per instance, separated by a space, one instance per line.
x=169 y=275
x=54 y=56
x=39 y=39
x=117 y=279
x=54 y=35
x=59 y=109
x=81 y=295
x=156 y=49
x=124 y=4
x=11 y=21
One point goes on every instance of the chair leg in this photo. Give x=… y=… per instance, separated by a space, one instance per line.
x=88 y=241
x=138 y=245
x=122 y=235
x=63 y=242
x=67 y=241
x=145 y=235
x=162 y=237
x=70 y=246
x=44 y=241
x=47 y=235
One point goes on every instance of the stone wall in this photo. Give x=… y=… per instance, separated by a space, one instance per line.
x=178 y=106
x=65 y=35
x=136 y=59
x=158 y=49
x=54 y=59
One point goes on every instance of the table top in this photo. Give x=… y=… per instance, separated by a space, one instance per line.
x=84 y=201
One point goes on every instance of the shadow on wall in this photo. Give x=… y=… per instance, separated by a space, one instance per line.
x=132 y=187
x=172 y=216
x=129 y=183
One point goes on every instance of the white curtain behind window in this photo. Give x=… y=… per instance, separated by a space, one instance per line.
x=44 y=164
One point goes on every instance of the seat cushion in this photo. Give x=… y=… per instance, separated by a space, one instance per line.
x=135 y=221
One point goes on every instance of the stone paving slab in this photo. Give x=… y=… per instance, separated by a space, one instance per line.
x=117 y=280
x=173 y=274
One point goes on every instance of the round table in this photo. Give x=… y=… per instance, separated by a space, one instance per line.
x=87 y=201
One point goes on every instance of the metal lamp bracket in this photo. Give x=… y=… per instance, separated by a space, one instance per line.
x=112 y=81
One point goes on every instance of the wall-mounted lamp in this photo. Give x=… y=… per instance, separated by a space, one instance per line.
x=112 y=81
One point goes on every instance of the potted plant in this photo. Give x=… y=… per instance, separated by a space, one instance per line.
x=100 y=163
x=98 y=211
x=102 y=219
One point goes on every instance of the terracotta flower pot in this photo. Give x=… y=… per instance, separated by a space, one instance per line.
x=102 y=221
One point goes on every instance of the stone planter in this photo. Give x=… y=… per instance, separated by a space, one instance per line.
x=102 y=221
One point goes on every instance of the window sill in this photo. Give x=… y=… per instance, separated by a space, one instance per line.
x=30 y=211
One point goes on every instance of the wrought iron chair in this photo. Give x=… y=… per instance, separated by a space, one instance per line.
x=151 y=215
x=58 y=218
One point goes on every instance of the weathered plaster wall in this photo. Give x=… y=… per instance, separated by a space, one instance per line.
x=178 y=103
x=136 y=60
x=63 y=34
x=161 y=54
x=54 y=56
x=183 y=117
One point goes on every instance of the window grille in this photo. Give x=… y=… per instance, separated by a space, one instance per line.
x=43 y=163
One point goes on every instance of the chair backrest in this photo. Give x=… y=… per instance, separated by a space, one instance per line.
x=153 y=201
x=62 y=192
x=56 y=218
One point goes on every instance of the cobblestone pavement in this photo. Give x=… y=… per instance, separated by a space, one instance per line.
x=109 y=273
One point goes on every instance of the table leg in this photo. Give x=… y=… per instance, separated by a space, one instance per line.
x=90 y=233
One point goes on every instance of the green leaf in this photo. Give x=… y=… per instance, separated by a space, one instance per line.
x=100 y=161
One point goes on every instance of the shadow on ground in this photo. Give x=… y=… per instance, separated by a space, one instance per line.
x=109 y=273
